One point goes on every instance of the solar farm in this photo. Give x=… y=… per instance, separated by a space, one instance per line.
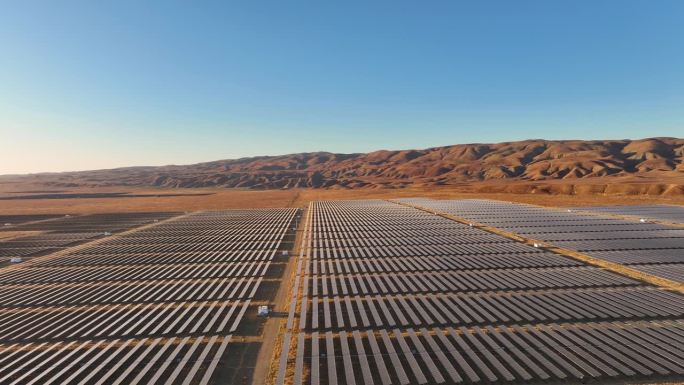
x=395 y=293
x=405 y=291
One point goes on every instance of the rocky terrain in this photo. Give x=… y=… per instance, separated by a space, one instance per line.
x=530 y=160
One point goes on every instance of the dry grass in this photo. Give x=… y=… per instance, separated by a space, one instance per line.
x=7 y=235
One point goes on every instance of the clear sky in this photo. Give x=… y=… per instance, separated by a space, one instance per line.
x=84 y=85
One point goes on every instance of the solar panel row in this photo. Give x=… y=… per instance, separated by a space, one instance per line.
x=612 y=235
x=669 y=213
x=136 y=272
x=134 y=258
x=489 y=308
x=93 y=223
x=418 y=282
x=127 y=292
x=673 y=272
x=439 y=263
x=657 y=256
x=12 y=220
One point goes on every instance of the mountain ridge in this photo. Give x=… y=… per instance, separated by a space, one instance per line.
x=527 y=160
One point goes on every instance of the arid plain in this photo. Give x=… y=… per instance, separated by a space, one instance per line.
x=31 y=198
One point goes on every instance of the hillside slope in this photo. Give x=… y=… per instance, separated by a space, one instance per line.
x=530 y=160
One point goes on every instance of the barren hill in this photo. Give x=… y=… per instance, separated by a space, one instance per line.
x=529 y=160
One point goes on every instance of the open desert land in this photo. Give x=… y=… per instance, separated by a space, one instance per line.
x=87 y=200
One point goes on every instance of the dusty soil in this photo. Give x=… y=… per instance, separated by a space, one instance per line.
x=275 y=325
x=7 y=235
x=156 y=199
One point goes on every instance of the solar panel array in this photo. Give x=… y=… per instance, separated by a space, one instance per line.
x=12 y=220
x=666 y=213
x=54 y=233
x=93 y=223
x=389 y=294
x=154 y=306
x=32 y=245
x=650 y=247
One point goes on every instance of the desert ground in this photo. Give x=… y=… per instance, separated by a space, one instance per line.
x=31 y=198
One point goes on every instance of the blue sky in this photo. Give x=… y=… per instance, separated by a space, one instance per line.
x=85 y=85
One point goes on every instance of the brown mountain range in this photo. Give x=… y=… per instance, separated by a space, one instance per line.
x=529 y=160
